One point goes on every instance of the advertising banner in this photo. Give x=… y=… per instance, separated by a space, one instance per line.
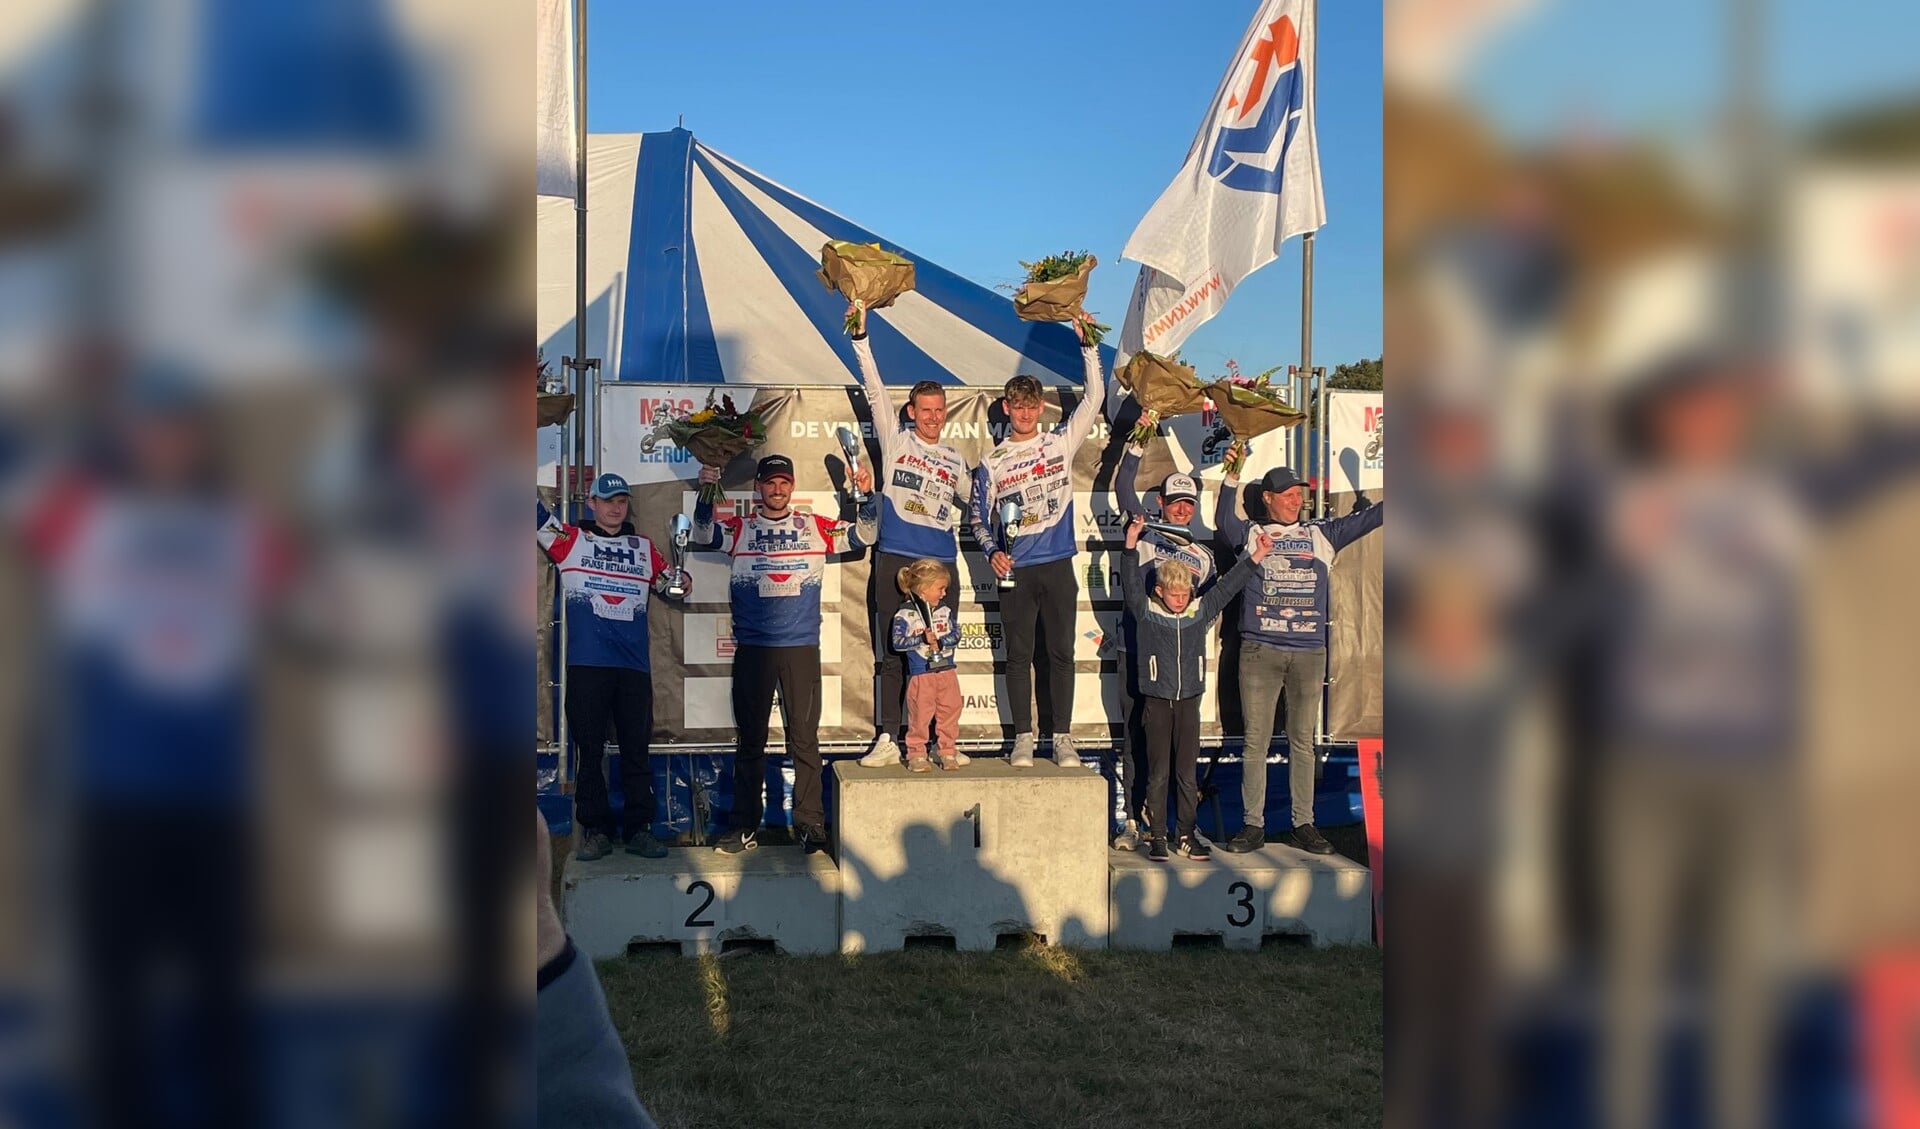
x=693 y=644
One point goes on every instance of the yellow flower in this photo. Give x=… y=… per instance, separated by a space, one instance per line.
x=701 y=416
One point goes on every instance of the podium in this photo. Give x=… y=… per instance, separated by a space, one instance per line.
x=972 y=858
x=1240 y=899
x=698 y=901
x=969 y=860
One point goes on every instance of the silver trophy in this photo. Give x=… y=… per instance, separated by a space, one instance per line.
x=926 y=620
x=850 y=446
x=677 y=548
x=1179 y=534
x=1009 y=528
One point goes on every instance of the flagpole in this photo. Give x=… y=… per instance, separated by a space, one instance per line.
x=1306 y=257
x=582 y=387
x=571 y=506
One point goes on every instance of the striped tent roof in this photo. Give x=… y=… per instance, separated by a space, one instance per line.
x=700 y=269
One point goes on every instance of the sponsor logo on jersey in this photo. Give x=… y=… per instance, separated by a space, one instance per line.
x=610 y=553
x=907 y=480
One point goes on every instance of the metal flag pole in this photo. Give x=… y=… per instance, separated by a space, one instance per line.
x=571 y=499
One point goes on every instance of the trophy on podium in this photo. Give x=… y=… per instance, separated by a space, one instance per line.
x=1009 y=527
x=677 y=586
x=1179 y=534
x=850 y=446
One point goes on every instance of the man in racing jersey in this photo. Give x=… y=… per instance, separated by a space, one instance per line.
x=607 y=572
x=922 y=497
x=1035 y=468
x=1283 y=643
x=779 y=565
x=1179 y=499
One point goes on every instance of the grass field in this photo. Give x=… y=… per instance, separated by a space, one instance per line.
x=1040 y=1037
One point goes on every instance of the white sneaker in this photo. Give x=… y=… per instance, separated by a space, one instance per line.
x=963 y=758
x=1129 y=837
x=883 y=753
x=1063 y=751
x=1022 y=751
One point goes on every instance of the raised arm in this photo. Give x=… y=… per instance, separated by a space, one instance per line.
x=1092 y=394
x=707 y=535
x=1216 y=598
x=866 y=526
x=982 y=510
x=886 y=415
x=1344 y=531
x=1229 y=512
x=1125 y=481
x=1133 y=589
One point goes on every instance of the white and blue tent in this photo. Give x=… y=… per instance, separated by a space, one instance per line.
x=701 y=270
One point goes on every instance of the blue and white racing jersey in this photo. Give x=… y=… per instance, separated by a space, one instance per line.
x=1038 y=472
x=1155 y=546
x=779 y=569
x=606 y=581
x=922 y=485
x=1285 y=606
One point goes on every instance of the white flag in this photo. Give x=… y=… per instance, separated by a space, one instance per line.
x=557 y=154
x=1252 y=179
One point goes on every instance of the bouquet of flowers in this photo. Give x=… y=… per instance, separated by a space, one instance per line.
x=551 y=397
x=716 y=434
x=1055 y=289
x=1250 y=407
x=1164 y=387
x=869 y=276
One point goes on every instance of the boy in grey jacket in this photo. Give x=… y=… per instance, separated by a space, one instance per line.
x=1171 y=651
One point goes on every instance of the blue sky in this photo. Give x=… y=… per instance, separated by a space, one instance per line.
x=1654 y=66
x=981 y=134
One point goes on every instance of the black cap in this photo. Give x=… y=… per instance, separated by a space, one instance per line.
x=774 y=466
x=1278 y=479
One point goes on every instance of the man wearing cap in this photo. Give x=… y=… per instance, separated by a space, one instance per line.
x=1179 y=498
x=779 y=565
x=1283 y=643
x=607 y=572
x=923 y=486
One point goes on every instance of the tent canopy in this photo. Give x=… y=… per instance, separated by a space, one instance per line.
x=701 y=270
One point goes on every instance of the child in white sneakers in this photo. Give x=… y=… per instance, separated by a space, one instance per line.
x=926 y=631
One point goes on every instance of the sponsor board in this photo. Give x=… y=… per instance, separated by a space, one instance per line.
x=708 y=638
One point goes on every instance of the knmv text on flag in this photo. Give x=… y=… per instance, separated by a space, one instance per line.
x=1250 y=182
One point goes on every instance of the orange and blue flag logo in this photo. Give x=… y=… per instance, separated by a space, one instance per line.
x=1269 y=106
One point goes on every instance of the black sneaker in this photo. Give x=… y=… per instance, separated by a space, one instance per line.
x=1194 y=847
x=594 y=846
x=812 y=836
x=737 y=842
x=1158 y=850
x=1244 y=840
x=1308 y=838
x=643 y=843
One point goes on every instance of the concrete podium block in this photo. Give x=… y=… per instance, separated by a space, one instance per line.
x=974 y=855
x=1239 y=898
x=703 y=901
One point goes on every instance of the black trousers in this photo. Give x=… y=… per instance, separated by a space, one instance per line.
x=890 y=665
x=1173 y=737
x=795 y=671
x=597 y=696
x=1132 y=751
x=1044 y=592
x=167 y=897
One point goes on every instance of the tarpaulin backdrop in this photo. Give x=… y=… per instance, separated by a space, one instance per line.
x=693 y=645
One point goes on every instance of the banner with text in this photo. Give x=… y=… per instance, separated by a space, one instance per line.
x=693 y=645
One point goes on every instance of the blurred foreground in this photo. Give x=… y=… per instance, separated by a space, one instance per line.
x=265 y=427
x=1654 y=354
